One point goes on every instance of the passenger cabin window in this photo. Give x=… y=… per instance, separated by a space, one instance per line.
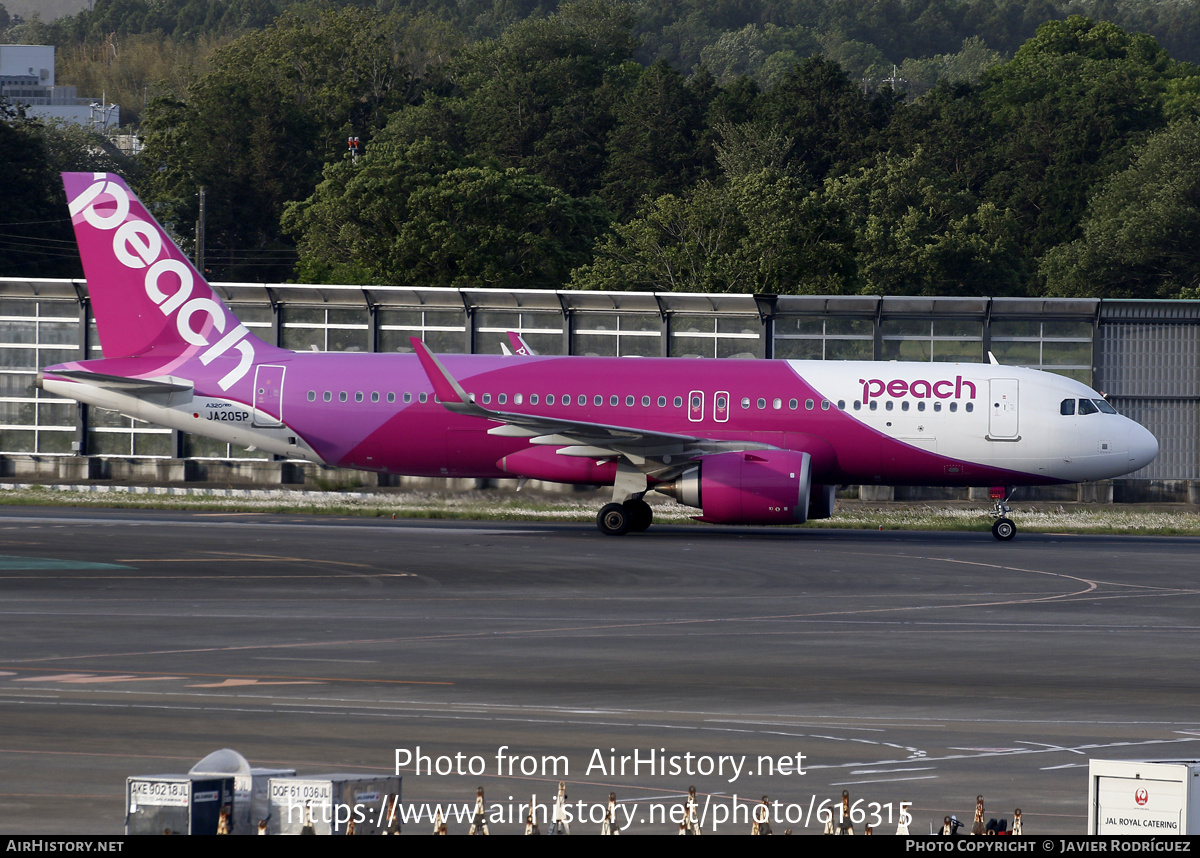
x=312 y=396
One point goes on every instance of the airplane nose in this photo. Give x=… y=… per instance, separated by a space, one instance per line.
x=1143 y=447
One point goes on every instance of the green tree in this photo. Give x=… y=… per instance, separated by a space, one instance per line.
x=828 y=117
x=36 y=239
x=657 y=143
x=747 y=52
x=919 y=232
x=761 y=232
x=535 y=97
x=256 y=129
x=420 y=215
x=1063 y=114
x=1141 y=237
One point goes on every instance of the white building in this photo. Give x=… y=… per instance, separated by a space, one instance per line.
x=27 y=77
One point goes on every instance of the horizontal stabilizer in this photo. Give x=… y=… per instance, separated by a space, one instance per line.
x=123 y=384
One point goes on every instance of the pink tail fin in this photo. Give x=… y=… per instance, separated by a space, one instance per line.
x=148 y=299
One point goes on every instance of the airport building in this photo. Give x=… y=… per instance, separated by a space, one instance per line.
x=1144 y=355
x=27 y=78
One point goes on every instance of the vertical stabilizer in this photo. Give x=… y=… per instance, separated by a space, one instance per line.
x=148 y=299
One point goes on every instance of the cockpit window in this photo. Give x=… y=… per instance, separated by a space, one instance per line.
x=1104 y=406
x=1067 y=407
x=1086 y=407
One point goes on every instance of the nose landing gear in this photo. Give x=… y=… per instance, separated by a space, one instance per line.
x=1003 y=528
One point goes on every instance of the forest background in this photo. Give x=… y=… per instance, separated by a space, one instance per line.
x=894 y=147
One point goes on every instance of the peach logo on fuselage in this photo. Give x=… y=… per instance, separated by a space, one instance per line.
x=139 y=244
x=920 y=389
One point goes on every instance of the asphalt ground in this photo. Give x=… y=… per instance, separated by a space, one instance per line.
x=901 y=666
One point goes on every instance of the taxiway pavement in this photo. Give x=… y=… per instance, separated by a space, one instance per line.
x=904 y=667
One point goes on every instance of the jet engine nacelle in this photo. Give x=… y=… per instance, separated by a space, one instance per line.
x=821 y=500
x=759 y=487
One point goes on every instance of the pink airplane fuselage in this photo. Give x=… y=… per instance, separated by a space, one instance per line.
x=757 y=433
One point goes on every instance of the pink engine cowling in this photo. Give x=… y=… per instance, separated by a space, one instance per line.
x=759 y=487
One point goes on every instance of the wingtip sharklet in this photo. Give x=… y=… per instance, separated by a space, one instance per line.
x=447 y=390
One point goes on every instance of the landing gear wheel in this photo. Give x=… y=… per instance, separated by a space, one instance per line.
x=614 y=520
x=640 y=515
x=1004 y=529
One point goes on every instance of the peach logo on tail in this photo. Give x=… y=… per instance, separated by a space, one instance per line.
x=138 y=244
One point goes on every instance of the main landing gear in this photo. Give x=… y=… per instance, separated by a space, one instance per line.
x=617 y=519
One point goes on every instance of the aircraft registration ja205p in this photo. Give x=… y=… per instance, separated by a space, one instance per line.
x=745 y=442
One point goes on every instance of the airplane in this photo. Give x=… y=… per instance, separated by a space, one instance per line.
x=744 y=442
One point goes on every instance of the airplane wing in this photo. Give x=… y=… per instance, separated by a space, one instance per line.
x=652 y=452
